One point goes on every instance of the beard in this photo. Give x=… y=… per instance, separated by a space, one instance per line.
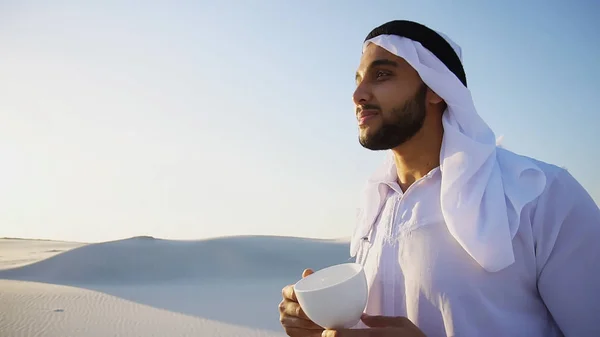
x=406 y=120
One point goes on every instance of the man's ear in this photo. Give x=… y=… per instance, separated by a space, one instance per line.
x=432 y=97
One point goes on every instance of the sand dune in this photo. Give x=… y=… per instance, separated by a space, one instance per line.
x=217 y=287
x=19 y=252
x=38 y=309
x=143 y=260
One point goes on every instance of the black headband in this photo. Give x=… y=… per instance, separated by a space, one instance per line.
x=429 y=38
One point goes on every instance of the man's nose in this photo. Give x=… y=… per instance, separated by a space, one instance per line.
x=361 y=94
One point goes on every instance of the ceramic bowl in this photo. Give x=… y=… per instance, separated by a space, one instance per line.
x=334 y=297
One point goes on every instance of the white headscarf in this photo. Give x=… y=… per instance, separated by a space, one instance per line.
x=483 y=188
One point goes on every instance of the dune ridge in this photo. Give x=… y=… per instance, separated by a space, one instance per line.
x=143 y=260
x=16 y=252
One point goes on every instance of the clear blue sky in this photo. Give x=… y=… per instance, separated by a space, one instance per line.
x=201 y=119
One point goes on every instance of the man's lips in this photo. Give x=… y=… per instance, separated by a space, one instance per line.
x=365 y=115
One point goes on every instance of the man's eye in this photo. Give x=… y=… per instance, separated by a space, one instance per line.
x=381 y=74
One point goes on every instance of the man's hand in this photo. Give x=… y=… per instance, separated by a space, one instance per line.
x=380 y=326
x=292 y=318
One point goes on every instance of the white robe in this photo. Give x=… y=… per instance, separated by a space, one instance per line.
x=417 y=269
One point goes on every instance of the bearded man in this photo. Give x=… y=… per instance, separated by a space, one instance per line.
x=457 y=236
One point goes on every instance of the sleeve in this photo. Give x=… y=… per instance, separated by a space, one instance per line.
x=567 y=231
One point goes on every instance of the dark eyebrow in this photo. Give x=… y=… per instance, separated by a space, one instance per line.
x=378 y=63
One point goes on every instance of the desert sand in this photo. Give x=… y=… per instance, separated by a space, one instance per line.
x=144 y=286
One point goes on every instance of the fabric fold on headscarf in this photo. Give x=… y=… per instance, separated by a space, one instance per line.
x=483 y=188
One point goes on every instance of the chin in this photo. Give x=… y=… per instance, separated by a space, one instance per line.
x=369 y=134
x=367 y=130
x=367 y=142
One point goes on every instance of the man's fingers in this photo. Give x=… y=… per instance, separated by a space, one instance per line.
x=376 y=332
x=302 y=332
x=293 y=309
x=290 y=322
x=383 y=321
x=380 y=326
x=288 y=293
x=350 y=333
x=292 y=317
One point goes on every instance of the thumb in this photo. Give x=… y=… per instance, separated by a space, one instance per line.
x=307 y=272
x=382 y=321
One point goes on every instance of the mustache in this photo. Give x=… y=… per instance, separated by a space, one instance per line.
x=367 y=107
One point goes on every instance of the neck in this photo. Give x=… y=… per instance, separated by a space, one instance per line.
x=418 y=156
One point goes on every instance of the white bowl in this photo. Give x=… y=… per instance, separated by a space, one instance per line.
x=334 y=297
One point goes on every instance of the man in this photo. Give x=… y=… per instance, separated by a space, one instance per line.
x=457 y=236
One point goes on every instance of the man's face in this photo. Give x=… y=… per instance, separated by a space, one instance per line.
x=389 y=98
